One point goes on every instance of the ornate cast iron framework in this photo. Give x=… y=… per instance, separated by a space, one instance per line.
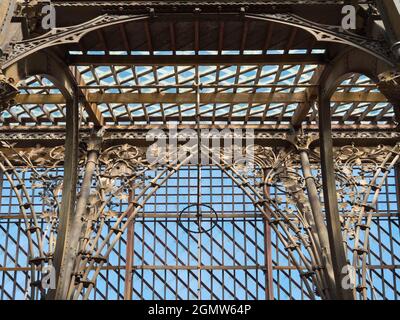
x=316 y=191
x=122 y=173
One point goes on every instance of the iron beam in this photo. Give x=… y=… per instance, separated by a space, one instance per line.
x=184 y=60
x=205 y=98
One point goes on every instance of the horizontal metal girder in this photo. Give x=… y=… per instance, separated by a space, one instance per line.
x=205 y=98
x=184 y=60
x=266 y=135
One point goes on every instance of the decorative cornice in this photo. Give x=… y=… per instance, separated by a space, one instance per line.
x=202 y=3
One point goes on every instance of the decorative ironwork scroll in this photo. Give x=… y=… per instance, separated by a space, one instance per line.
x=64 y=35
x=122 y=173
x=25 y=172
x=361 y=174
x=331 y=33
x=125 y=180
x=289 y=224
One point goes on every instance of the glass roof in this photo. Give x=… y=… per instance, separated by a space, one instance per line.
x=213 y=79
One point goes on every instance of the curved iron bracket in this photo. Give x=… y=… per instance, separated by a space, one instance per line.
x=331 y=33
x=64 y=35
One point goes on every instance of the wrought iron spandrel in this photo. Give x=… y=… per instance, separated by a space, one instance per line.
x=35 y=180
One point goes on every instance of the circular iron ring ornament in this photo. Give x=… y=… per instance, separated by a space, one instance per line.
x=282 y=181
x=212 y=222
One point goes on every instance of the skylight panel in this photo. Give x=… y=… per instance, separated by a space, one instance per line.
x=318 y=51
x=140 y=53
x=298 y=51
x=118 y=53
x=96 y=53
x=275 y=51
x=250 y=52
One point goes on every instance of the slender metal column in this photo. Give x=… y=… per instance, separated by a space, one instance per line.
x=269 y=289
x=76 y=222
x=129 y=254
x=318 y=218
x=269 y=277
x=397 y=183
x=68 y=195
x=94 y=146
x=338 y=256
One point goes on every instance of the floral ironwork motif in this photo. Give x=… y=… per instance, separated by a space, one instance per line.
x=361 y=174
x=35 y=169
